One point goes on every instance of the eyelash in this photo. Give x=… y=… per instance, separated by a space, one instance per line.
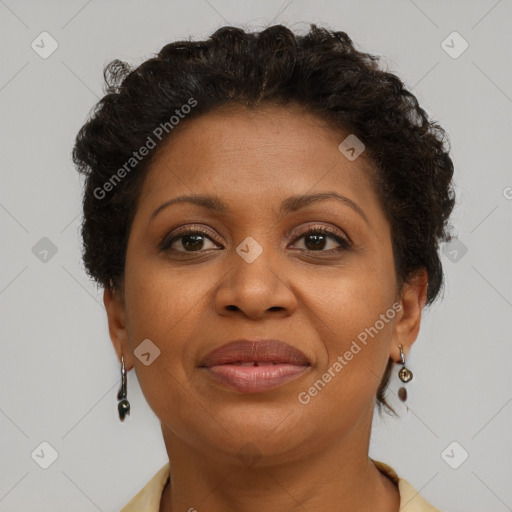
x=344 y=242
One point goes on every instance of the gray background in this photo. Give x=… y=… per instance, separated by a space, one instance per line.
x=58 y=372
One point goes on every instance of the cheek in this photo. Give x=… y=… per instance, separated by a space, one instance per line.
x=357 y=319
x=162 y=299
x=345 y=381
x=164 y=307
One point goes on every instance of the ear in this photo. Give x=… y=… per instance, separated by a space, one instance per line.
x=407 y=325
x=115 y=307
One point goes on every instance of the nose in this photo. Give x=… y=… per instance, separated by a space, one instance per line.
x=254 y=289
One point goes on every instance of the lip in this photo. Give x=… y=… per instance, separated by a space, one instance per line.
x=253 y=366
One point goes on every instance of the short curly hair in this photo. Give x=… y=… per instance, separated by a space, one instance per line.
x=321 y=71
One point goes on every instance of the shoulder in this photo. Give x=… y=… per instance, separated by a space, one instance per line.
x=410 y=498
x=148 y=498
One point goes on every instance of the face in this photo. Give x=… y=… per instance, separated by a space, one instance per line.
x=317 y=273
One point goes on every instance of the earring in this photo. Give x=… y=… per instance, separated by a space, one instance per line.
x=404 y=374
x=123 y=406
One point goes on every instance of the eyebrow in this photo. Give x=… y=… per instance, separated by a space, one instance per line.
x=290 y=204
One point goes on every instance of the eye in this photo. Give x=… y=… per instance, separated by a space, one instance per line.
x=317 y=238
x=190 y=240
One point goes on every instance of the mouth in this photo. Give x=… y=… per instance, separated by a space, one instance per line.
x=255 y=366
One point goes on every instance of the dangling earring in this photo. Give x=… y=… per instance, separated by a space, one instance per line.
x=404 y=374
x=123 y=406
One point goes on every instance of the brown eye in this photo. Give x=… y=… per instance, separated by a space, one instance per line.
x=317 y=239
x=314 y=241
x=192 y=242
x=188 y=241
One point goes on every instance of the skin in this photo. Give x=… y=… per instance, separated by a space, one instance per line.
x=309 y=457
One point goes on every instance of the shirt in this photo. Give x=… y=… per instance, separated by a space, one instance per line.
x=148 y=498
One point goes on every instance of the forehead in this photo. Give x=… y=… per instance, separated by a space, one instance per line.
x=250 y=154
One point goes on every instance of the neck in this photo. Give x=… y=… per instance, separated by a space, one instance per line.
x=337 y=475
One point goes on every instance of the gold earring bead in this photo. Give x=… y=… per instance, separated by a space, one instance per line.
x=404 y=374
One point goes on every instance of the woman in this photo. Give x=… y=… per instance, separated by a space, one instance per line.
x=264 y=211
